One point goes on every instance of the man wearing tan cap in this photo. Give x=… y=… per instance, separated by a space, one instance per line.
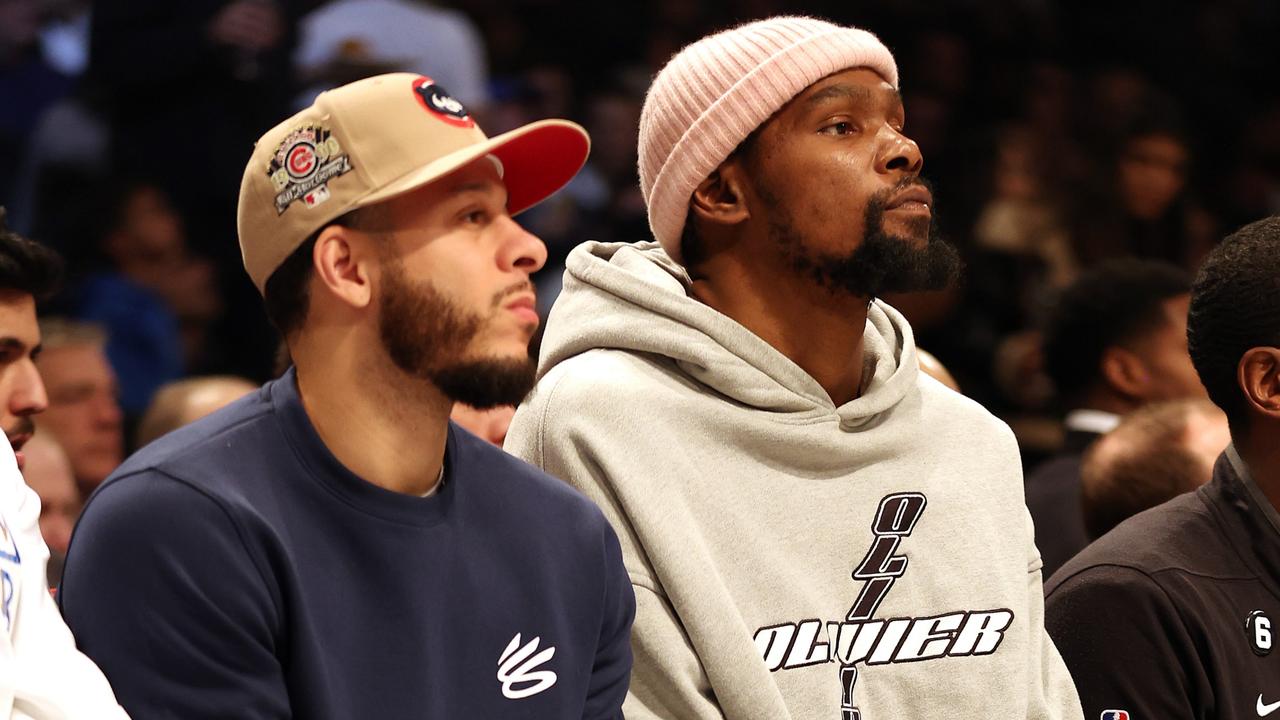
x=815 y=529
x=330 y=546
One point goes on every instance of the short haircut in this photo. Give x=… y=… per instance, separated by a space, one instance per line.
x=1235 y=306
x=59 y=332
x=27 y=266
x=1117 y=302
x=1144 y=462
x=285 y=294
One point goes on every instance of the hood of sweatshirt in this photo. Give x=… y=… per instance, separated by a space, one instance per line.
x=633 y=297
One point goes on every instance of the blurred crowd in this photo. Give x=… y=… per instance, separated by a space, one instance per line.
x=1060 y=136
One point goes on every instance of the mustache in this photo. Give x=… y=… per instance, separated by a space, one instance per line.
x=524 y=286
x=23 y=426
x=881 y=198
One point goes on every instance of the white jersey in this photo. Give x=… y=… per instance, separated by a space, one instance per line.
x=42 y=675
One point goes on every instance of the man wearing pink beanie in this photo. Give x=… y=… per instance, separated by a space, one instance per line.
x=814 y=529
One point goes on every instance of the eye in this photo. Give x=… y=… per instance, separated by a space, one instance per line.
x=475 y=217
x=841 y=127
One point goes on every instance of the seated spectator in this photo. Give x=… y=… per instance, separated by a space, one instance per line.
x=42 y=674
x=1171 y=614
x=343 y=41
x=1155 y=454
x=48 y=472
x=84 y=414
x=1144 y=207
x=184 y=401
x=156 y=300
x=1115 y=340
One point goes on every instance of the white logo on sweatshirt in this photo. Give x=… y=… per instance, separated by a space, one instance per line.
x=859 y=639
x=517 y=668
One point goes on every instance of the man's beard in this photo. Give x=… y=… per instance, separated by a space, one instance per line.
x=882 y=263
x=428 y=337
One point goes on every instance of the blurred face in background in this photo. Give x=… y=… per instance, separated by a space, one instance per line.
x=1168 y=373
x=1152 y=173
x=48 y=472
x=84 y=413
x=149 y=246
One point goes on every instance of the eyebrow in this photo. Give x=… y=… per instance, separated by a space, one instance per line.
x=856 y=93
x=482 y=187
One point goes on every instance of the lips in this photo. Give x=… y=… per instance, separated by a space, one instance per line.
x=915 y=197
x=17 y=440
x=524 y=307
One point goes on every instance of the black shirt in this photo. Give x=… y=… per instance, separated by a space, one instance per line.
x=1171 y=614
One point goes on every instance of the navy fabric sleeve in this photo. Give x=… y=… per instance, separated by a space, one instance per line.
x=162 y=592
x=1125 y=645
x=611 y=673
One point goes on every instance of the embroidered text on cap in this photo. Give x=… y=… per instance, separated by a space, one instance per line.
x=439 y=102
x=303 y=164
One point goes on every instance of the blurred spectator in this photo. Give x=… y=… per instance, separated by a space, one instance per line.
x=1143 y=206
x=488 y=425
x=146 y=276
x=192 y=85
x=185 y=401
x=48 y=472
x=345 y=40
x=28 y=84
x=84 y=413
x=1116 y=340
x=1155 y=454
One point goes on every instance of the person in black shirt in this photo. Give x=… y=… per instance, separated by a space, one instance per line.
x=331 y=546
x=1171 y=614
x=1114 y=341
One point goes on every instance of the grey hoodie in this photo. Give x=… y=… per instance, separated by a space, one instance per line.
x=791 y=558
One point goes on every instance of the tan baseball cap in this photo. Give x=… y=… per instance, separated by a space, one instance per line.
x=372 y=140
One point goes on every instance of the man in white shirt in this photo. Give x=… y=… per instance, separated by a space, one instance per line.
x=42 y=675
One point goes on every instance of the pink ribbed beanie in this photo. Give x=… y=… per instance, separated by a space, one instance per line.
x=715 y=92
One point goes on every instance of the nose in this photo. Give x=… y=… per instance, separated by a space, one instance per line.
x=520 y=250
x=108 y=412
x=28 y=396
x=898 y=153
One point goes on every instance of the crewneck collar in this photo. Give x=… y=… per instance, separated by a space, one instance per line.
x=335 y=477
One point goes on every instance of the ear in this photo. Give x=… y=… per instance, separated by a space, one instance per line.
x=342 y=265
x=720 y=198
x=1258 y=375
x=1125 y=372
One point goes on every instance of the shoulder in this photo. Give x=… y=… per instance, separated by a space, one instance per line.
x=520 y=494
x=951 y=416
x=213 y=442
x=605 y=385
x=1178 y=537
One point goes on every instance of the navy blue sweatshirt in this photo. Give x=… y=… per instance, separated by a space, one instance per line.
x=235 y=568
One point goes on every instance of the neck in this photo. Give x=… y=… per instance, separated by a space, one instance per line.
x=1260 y=450
x=817 y=329
x=1106 y=400
x=386 y=427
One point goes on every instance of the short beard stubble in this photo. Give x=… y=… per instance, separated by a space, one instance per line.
x=428 y=336
x=881 y=263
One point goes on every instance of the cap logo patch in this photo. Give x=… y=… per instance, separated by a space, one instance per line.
x=303 y=164
x=440 y=103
